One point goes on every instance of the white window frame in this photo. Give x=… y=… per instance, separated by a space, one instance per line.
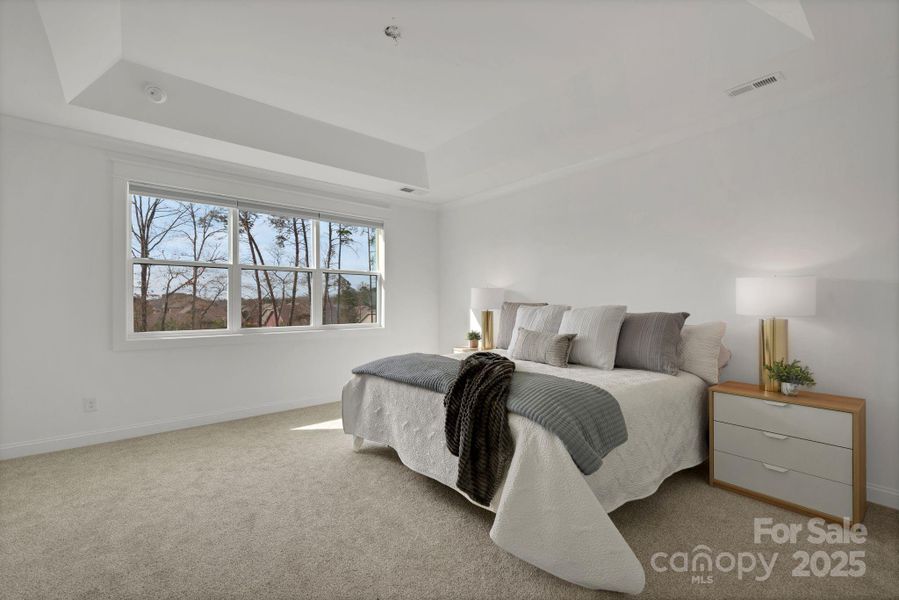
x=125 y=338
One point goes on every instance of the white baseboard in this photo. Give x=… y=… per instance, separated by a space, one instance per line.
x=112 y=434
x=884 y=496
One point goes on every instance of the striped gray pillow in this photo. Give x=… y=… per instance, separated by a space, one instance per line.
x=538 y=346
x=597 y=330
x=507 y=321
x=649 y=341
x=538 y=318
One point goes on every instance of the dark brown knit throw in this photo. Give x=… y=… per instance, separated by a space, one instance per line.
x=477 y=428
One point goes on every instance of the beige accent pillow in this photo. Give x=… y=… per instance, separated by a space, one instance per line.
x=700 y=348
x=724 y=356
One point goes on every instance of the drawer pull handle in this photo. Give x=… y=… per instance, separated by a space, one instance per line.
x=775 y=436
x=773 y=403
x=775 y=468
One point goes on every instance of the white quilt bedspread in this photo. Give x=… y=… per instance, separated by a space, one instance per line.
x=547 y=512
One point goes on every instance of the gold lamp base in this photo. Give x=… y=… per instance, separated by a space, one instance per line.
x=487 y=330
x=772 y=347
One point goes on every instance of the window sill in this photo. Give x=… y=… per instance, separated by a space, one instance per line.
x=170 y=342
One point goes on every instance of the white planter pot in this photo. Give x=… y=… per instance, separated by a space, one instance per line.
x=789 y=389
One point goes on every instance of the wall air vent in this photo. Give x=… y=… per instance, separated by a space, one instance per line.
x=755 y=84
x=408 y=190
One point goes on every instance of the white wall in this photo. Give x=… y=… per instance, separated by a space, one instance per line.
x=56 y=330
x=813 y=189
x=809 y=190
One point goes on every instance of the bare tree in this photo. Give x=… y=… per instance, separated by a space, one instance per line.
x=339 y=237
x=247 y=220
x=172 y=274
x=294 y=233
x=329 y=257
x=152 y=219
x=203 y=229
x=372 y=265
x=220 y=286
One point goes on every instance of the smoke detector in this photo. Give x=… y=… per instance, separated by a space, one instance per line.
x=755 y=84
x=155 y=94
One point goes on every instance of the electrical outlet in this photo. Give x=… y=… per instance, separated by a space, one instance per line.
x=90 y=404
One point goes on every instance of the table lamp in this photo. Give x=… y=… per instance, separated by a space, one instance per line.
x=487 y=300
x=773 y=298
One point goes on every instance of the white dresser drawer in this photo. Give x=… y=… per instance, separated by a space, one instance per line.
x=814 y=458
x=823 y=495
x=817 y=424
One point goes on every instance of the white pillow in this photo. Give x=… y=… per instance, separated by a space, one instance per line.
x=597 y=330
x=700 y=348
x=537 y=318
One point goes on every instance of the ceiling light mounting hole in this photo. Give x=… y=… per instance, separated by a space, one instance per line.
x=155 y=94
x=394 y=33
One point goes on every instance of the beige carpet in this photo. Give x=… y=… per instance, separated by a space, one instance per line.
x=263 y=508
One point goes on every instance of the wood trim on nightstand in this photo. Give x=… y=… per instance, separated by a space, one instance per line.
x=859 y=466
x=854 y=406
x=813 y=399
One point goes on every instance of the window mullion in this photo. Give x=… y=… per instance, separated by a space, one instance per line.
x=381 y=297
x=234 y=314
x=178 y=263
x=349 y=272
x=315 y=303
x=245 y=267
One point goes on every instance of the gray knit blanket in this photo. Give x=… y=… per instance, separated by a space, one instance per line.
x=477 y=424
x=586 y=418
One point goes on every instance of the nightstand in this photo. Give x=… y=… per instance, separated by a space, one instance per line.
x=805 y=453
x=464 y=350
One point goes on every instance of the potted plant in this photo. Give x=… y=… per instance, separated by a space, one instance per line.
x=790 y=375
x=473 y=338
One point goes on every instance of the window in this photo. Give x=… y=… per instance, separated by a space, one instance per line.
x=275 y=278
x=349 y=259
x=212 y=265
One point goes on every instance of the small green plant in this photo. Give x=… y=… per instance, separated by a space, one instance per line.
x=473 y=336
x=793 y=372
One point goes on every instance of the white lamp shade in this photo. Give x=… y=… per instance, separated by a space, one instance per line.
x=487 y=298
x=776 y=296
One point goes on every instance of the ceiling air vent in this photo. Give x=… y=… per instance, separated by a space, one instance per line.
x=755 y=84
x=414 y=191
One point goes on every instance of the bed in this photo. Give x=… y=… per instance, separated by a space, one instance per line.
x=547 y=512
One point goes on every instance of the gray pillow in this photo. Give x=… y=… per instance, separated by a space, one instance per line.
x=507 y=321
x=538 y=318
x=538 y=346
x=597 y=330
x=649 y=341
